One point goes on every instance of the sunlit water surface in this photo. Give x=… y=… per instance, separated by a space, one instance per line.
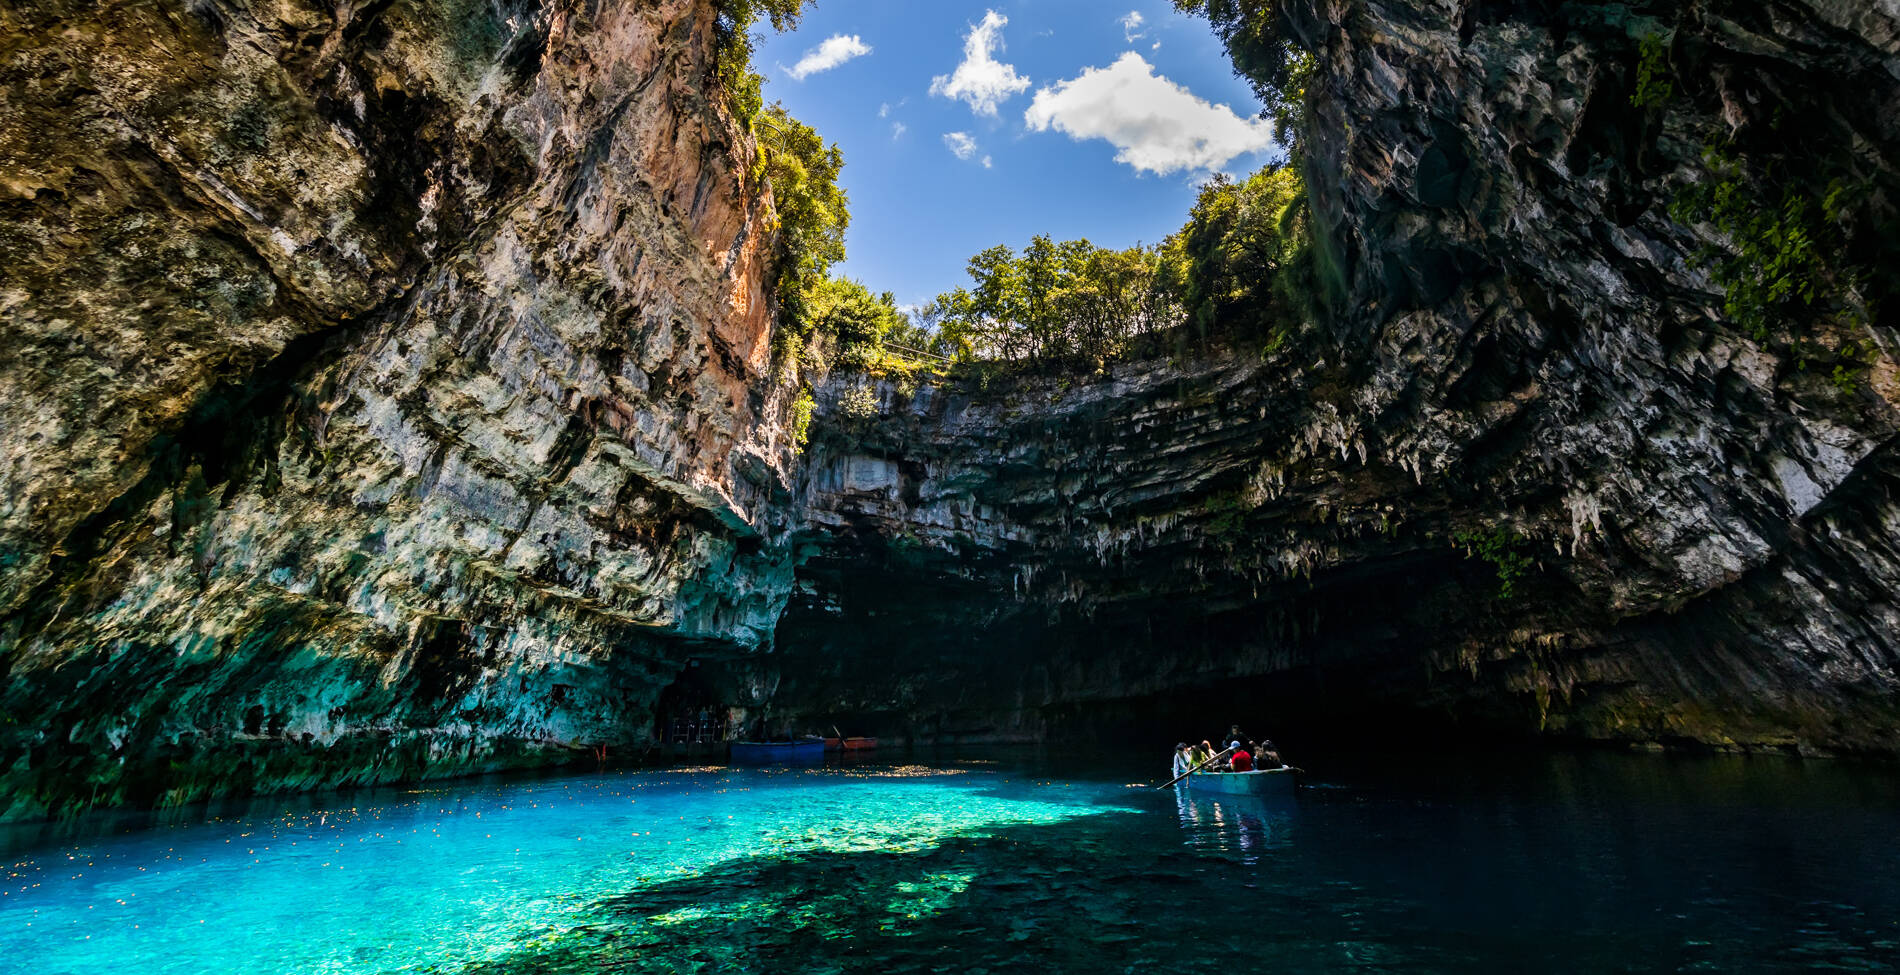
x=1565 y=862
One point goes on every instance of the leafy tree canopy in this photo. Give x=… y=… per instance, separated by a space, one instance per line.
x=1056 y=302
x=1242 y=268
x=813 y=210
x=1240 y=256
x=732 y=24
x=1264 y=53
x=859 y=320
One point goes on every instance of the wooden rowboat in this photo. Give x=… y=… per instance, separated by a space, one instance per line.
x=850 y=744
x=1264 y=782
x=802 y=751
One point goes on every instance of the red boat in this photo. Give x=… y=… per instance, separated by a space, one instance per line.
x=850 y=744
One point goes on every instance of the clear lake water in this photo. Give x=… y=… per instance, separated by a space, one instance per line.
x=992 y=861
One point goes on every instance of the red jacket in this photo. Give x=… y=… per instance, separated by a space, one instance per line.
x=1242 y=762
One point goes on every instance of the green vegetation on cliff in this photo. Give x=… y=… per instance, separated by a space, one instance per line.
x=858 y=320
x=812 y=211
x=1242 y=269
x=1805 y=233
x=1055 y=302
x=1792 y=259
x=732 y=25
x=1246 y=266
x=819 y=315
x=1263 y=52
x=1245 y=262
x=1504 y=549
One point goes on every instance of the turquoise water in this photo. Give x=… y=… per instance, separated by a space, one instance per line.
x=1007 y=863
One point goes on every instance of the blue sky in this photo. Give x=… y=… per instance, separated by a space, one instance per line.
x=1106 y=118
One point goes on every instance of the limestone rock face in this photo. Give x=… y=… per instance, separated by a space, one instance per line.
x=1532 y=366
x=385 y=393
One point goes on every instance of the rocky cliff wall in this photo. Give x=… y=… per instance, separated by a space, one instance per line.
x=386 y=390
x=1533 y=365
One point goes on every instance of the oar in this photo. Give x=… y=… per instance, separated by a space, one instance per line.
x=1193 y=770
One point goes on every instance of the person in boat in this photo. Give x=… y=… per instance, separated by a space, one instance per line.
x=1235 y=737
x=1267 y=756
x=1203 y=754
x=1241 y=761
x=1183 y=759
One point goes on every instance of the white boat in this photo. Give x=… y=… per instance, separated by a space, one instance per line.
x=1260 y=782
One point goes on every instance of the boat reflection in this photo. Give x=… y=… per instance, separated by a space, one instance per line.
x=1248 y=825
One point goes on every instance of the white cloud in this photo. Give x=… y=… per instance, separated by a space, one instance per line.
x=884 y=110
x=1156 y=125
x=986 y=162
x=960 y=144
x=981 y=80
x=897 y=130
x=1131 y=26
x=833 y=52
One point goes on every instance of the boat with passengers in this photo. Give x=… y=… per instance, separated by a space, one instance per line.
x=1261 y=782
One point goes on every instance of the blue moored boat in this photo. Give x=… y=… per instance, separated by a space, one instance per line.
x=1265 y=782
x=800 y=752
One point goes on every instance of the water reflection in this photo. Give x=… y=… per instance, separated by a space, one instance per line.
x=1250 y=826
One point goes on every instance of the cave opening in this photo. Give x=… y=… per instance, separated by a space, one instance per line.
x=699 y=708
x=910 y=652
x=1308 y=711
